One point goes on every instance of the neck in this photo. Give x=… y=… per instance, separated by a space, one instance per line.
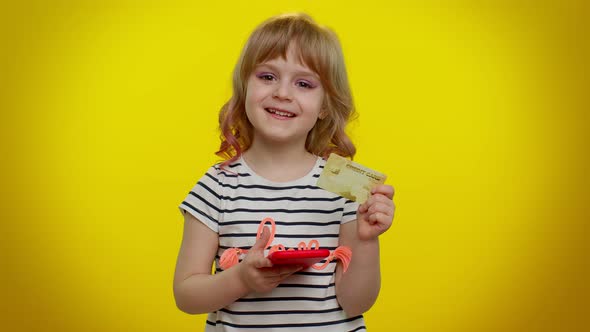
x=279 y=162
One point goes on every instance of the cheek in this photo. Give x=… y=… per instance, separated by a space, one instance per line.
x=250 y=100
x=316 y=103
x=255 y=93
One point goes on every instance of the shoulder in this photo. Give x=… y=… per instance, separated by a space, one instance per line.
x=220 y=171
x=228 y=176
x=231 y=170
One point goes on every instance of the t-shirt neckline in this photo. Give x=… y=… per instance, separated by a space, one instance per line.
x=262 y=179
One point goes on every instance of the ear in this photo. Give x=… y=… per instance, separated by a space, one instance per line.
x=323 y=114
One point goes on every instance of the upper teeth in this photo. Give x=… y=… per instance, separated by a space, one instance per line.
x=281 y=113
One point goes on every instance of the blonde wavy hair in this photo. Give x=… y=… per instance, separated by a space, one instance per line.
x=319 y=49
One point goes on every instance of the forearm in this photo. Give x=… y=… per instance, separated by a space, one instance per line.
x=358 y=288
x=203 y=293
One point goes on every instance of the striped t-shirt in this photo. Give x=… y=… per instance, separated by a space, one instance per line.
x=232 y=202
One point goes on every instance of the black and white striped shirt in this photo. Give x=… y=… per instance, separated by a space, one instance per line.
x=232 y=202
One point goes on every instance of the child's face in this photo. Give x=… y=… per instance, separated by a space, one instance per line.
x=283 y=100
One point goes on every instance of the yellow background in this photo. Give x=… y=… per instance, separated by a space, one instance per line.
x=477 y=111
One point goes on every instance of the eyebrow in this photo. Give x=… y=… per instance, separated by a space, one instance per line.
x=297 y=72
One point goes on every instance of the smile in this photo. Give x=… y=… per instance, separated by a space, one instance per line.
x=278 y=112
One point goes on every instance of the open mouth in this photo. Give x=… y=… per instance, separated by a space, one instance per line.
x=280 y=113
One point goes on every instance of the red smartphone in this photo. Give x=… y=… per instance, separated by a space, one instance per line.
x=298 y=257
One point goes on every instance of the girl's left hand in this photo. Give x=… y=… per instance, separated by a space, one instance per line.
x=375 y=216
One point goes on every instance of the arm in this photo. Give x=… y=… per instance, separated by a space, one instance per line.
x=197 y=291
x=358 y=288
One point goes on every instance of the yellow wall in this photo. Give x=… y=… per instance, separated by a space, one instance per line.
x=475 y=111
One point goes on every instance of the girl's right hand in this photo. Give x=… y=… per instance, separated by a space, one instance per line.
x=257 y=271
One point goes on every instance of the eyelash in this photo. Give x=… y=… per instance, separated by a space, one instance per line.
x=270 y=77
x=305 y=85
x=266 y=77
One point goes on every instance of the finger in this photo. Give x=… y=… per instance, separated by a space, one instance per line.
x=372 y=219
x=368 y=202
x=285 y=273
x=262 y=241
x=285 y=276
x=283 y=269
x=380 y=203
x=270 y=275
x=262 y=262
x=273 y=280
x=289 y=269
x=383 y=189
x=380 y=219
x=376 y=198
x=363 y=208
x=382 y=198
x=384 y=208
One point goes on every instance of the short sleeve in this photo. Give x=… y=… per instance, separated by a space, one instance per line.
x=204 y=200
x=349 y=213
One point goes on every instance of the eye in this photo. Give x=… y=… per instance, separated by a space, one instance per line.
x=305 y=84
x=266 y=76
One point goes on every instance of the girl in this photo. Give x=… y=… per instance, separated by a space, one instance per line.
x=291 y=102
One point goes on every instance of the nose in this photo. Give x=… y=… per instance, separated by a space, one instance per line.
x=282 y=91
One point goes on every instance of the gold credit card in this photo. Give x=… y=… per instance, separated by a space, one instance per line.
x=349 y=179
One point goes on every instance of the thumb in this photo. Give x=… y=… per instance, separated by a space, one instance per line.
x=262 y=241
x=362 y=208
